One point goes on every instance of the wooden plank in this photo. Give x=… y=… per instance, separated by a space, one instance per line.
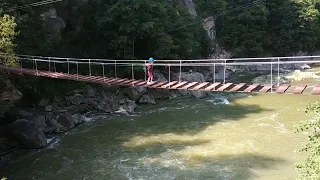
x=225 y=86
x=251 y=87
x=159 y=84
x=316 y=90
x=189 y=85
x=179 y=85
x=63 y=76
x=85 y=78
x=155 y=83
x=147 y=85
x=141 y=83
x=127 y=82
x=72 y=77
x=299 y=89
x=168 y=84
x=237 y=87
x=212 y=86
x=101 y=80
x=265 y=89
x=199 y=86
x=282 y=88
x=133 y=83
x=93 y=78
x=120 y=81
x=110 y=81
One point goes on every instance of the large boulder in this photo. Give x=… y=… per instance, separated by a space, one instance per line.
x=29 y=134
x=135 y=92
x=66 y=120
x=48 y=108
x=128 y=105
x=110 y=102
x=81 y=108
x=76 y=99
x=78 y=119
x=147 y=98
x=92 y=92
x=52 y=124
x=91 y=102
x=40 y=121
x=10 y=93
x=43 y=102
x=191 y=77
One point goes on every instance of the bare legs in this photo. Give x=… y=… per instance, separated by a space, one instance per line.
x=150 y=78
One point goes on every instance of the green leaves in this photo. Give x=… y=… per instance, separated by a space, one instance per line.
x=310 y=168
x=7 y=33
x=7 y=36
x=140 y=29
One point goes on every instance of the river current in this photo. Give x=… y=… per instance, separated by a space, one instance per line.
x=222 y=137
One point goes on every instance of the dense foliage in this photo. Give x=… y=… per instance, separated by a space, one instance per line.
x=133 y=29
x=270 y=27
x=7 y=35
x=138 y=29
x=310 y=168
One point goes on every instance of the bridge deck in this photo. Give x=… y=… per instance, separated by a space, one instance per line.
x=193 y=86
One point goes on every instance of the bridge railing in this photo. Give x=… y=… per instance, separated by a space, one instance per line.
x=51 y=63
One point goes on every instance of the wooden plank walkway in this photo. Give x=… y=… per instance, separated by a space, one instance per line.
x=193 y=86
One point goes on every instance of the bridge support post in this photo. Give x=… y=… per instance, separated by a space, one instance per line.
x=89 y=67
x=49 y=64
x=214 y=75
x=104 y=78
x=132 y=75
x=224 y=71
x=20 y=66
x=77 y=71
x=278 y=72
x=68 y=66
x=115 y=69
x=6 y=61
x=169 y=75
x=271 y=76
x=180 y=73
x=145 y=71
x=35 y=61
x=54 y=66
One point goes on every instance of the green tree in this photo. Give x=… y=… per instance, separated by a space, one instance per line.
x=208 y=8
x=7 y=35
x=310 y=168
x=32 y=37
x=244 y=30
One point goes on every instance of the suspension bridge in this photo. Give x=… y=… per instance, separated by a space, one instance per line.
x=47 y=67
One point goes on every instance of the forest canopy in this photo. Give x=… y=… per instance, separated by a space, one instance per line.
x=138 y=29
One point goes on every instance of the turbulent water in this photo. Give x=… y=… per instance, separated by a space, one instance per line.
x=223 y=137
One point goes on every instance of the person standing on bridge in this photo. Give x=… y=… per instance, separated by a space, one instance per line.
x=150 y=70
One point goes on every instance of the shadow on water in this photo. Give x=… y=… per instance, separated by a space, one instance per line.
x=188 y=116
x=236 y=167
x=154 y=144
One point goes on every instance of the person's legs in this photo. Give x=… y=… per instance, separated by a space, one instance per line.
x=149 y=77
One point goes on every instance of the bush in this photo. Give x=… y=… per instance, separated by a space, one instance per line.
x=310 y=168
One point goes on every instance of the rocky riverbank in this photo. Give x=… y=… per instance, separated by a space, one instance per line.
x=32 y=126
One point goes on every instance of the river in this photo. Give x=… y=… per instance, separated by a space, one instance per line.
x=243 y=138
